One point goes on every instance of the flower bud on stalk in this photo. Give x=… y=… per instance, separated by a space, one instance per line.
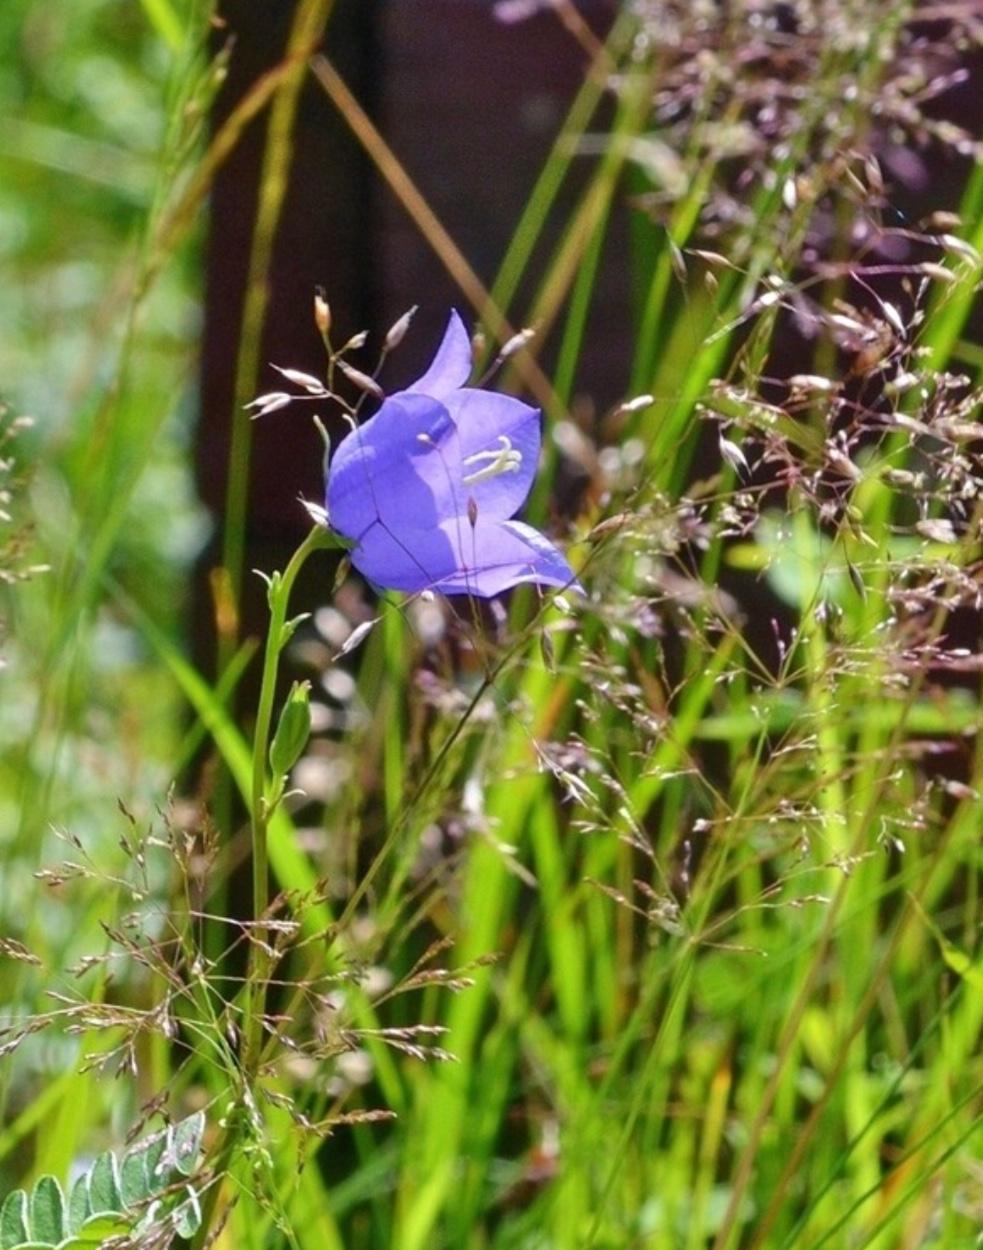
x=361 y=380
x=355 y=342
x=293 y=729
x=322 y=313
x=397 y=331
x=515 y=344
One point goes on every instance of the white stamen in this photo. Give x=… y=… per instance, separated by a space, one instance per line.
x=506 y=459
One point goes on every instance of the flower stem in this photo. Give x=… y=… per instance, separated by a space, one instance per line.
x=261 y=809
x=262 y=804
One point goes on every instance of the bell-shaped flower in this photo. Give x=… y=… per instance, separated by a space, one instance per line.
x=427 y=488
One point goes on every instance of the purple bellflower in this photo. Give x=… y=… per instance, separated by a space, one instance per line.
x=427 y=488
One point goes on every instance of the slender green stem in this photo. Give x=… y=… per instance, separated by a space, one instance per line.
x=261 y=809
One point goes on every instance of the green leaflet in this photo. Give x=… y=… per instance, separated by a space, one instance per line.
x=104 y=1188
x=47 y=1211
x=187 y=1143
x=13 y=1220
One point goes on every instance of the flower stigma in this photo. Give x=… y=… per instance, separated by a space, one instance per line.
x=507 y=459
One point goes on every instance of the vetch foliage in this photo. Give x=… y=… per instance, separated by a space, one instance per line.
x=138 y=1200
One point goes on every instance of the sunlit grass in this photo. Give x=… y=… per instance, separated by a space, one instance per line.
x=648 y=919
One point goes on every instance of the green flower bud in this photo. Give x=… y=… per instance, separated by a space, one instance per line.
x=293 y=729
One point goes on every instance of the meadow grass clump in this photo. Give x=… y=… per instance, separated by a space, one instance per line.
x=637 y=907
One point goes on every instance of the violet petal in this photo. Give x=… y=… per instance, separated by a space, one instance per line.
x=452 y=365
x=457 y=558
x=376 y=471
x=483 y=420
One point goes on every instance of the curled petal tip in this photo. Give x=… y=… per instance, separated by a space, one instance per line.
x=451 y=366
